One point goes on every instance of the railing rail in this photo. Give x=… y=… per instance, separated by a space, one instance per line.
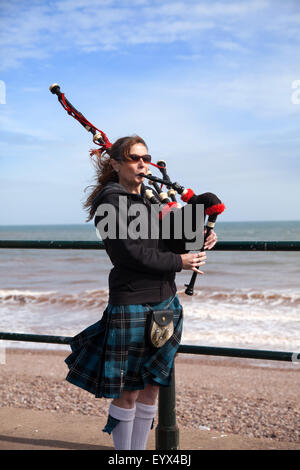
x=183 y=348
x=99 y=245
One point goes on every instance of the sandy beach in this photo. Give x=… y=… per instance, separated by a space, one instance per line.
x=218 y=400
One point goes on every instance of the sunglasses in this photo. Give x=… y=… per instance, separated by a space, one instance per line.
x=136 y=158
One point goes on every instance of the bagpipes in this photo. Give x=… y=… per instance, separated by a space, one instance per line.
x=213 y=206
x=167 y=202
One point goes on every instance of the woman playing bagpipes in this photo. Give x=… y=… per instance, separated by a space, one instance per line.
x=114 y=358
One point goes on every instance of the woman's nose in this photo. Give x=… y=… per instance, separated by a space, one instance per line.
x=141 y=163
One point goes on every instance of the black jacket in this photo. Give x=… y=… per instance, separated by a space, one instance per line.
x=144 y=269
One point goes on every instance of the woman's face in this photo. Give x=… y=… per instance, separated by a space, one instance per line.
x=128 y=171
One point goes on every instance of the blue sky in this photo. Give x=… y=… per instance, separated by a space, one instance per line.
x=208 y=84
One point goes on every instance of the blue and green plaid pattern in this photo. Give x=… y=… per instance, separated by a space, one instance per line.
x=112 y=355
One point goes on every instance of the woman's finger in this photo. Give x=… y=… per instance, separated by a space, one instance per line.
x=197 y=271
x=211 y=241
x=198 y=260
x=211 y=238
x=198 y=263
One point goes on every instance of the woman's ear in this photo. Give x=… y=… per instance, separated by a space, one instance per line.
x=115 y=165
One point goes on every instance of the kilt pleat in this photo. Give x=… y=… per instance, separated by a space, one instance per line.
x=113 y=354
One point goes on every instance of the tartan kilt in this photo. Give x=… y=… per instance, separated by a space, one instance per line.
x=113 y=354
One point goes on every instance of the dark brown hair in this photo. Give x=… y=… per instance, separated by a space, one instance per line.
x=119 y=151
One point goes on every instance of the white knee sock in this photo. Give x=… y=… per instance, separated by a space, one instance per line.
x=123 y=430
x=144 y=415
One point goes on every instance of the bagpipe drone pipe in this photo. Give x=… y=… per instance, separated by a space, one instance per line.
x=99 y=137
x=168 y=205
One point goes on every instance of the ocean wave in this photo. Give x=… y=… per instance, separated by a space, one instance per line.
x=243 y=339
x=89 y=299
x=246 y=297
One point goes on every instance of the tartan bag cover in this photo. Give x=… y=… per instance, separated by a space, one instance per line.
x=113 y=354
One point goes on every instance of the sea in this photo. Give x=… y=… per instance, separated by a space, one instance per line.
x=245 y=299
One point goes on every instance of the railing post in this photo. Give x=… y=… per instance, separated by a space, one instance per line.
x=167 y=431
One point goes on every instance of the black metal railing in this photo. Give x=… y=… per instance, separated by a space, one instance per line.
x=99 y=245
x=183 y=348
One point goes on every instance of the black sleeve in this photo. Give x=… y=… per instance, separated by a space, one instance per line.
x=136 y=254
x=133 y=254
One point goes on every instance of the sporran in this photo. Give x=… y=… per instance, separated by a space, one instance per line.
x=160 y=327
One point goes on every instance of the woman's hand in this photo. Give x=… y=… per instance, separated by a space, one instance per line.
x=193 y=260
x=211 y=240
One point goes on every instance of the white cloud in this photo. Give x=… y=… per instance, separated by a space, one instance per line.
x=16 y=129
x=38 y=30
x=229 y=46
x=192 y=9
